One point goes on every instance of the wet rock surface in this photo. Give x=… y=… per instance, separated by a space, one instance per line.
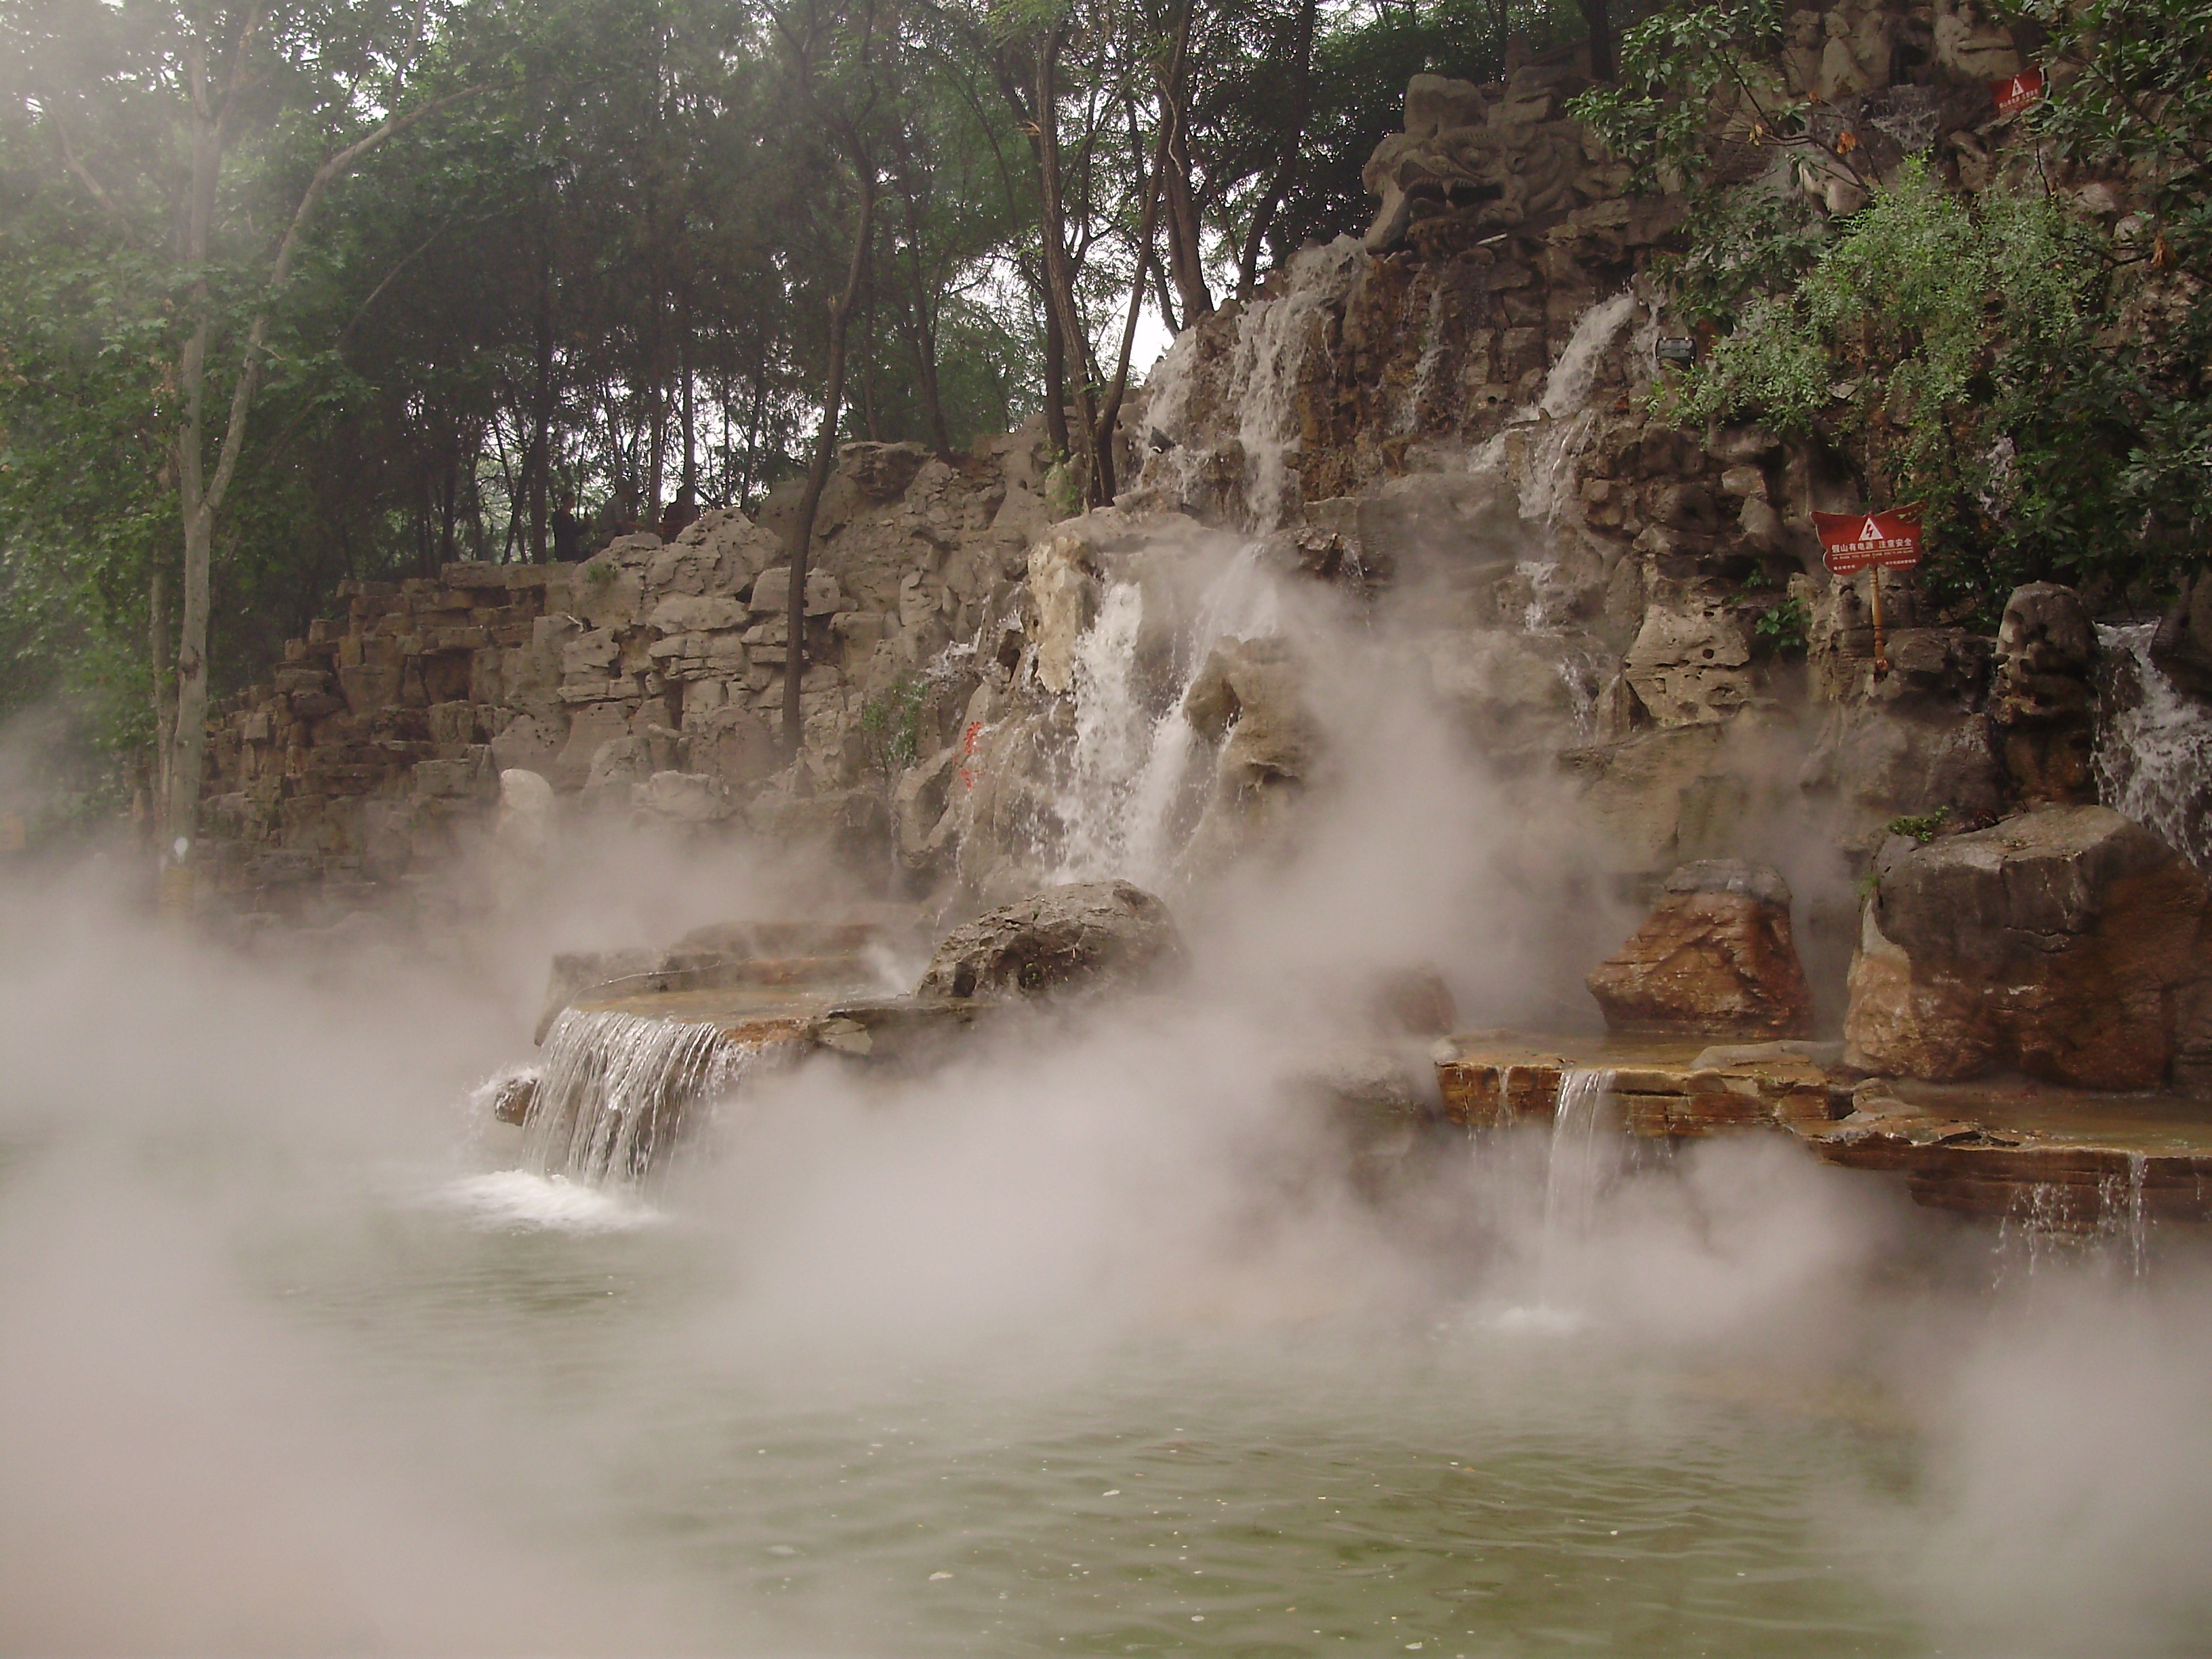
x=1715 y=957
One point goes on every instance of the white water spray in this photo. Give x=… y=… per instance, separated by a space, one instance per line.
x=2153 y=755
x=1126 y=801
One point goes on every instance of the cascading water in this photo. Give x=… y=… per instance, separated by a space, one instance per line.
x=615 y=1090
x=1124 y=801
x=1272 y=339
x=2153 y=755
x=1563 y=421
x=1573 y=1173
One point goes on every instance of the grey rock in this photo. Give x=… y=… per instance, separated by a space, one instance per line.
x=1076 y=940
x=1762 y=882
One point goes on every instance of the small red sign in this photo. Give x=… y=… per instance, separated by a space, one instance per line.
x=2015 y=92
x=1852 y=542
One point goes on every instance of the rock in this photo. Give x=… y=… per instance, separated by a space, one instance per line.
x=731 y=742
x=513 y=1097
x=684 y=797
x=1252 y=693
x=1690 y=663
x=1412 y=1002
x=618 y=765
x=701 y=613
x=1249 y=698
x=882 y=471
x=2067 y=942
x=525 y=827
x=1715 y=956
x=1063 y=583
x=771 y=592
x=1506 y=687
x=2043 y=704
x=1068 y=940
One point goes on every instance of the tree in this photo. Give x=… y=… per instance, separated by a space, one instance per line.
x=220 y=78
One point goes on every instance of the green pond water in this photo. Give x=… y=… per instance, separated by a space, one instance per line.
x=1488 y=1482
x=435 y=1404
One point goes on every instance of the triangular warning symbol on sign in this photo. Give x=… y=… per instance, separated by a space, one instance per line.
x=2018 y=90
x=1872 y=533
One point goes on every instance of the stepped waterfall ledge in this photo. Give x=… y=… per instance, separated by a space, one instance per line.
x=945 y=841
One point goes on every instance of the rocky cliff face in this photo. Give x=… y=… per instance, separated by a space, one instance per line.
x=1419 y=460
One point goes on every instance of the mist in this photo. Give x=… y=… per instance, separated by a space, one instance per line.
x=281 y=1379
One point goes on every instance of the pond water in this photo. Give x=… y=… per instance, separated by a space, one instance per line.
x=1081 y=1350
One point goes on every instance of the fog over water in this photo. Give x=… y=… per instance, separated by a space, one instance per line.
x=1090 y=1343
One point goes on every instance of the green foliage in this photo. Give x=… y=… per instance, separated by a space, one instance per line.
x=2043 y=383
x=1063 y=489
x=889 y=728
x=1674 y=66
x=1785 y=626
x=1923 y=827
x=1959 y=352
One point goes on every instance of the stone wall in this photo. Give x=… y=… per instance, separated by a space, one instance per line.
x=647 y=681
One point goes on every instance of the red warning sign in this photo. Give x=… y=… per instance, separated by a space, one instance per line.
x=2015 y=92
x=1852 y=542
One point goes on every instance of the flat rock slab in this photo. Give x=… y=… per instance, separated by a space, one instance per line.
x=1489 y=1080
x=2055 y=1160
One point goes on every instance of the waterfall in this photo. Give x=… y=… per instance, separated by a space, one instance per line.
x=2153 y=755
x=1573 y=1173
x=615 y=1090
x=1260 y=386
x=1122 y=799
x=1563 y=421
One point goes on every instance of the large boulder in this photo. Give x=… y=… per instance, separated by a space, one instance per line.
x=1249 y=699
x=2067 y=942
x=1065 y=941
x=1714 y=957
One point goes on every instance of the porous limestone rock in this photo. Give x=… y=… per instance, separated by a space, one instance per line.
x=1690 y=665
x=1066 y=941
x=2067 y=942
x=1714 y=957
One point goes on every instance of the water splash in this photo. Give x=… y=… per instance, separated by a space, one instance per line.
x=510 y=1198
x=2153 y=761
x=616 y=1089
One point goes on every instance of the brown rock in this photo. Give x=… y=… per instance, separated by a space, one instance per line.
x=2069 y=942
x=1715 y=957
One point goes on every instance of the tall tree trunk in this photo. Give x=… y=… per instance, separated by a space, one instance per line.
x=1598 y=16
x=825 y=452
x=687 y=489
x=921 y=336
x=1058 y=270
x=1248 y=268
x=1110 y=414
x=1186 y=244
x=160 y=656
x=200 y=492
x=539 y=468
